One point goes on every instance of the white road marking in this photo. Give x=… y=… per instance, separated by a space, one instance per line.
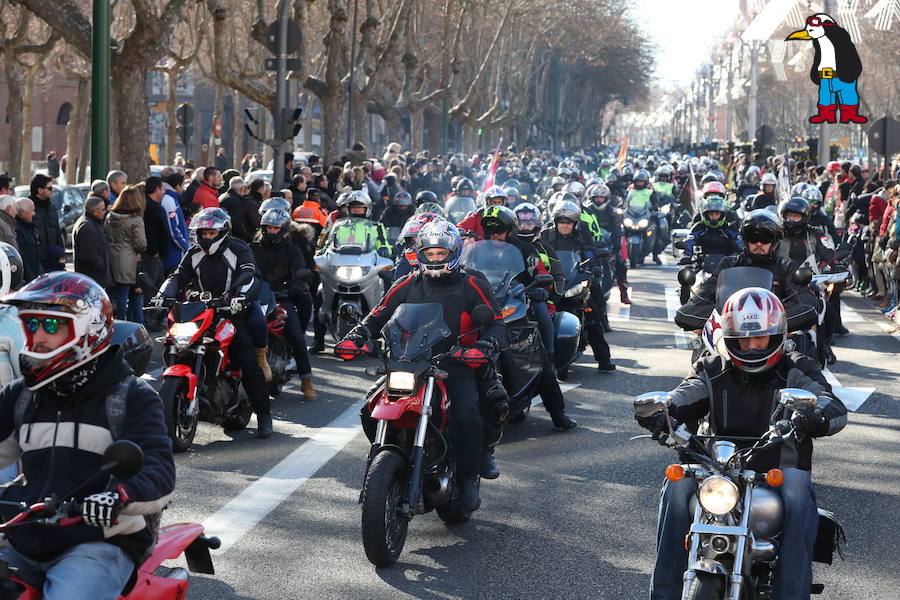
x=890 y=330
x=852 y=397
x=848 y=315
x=563 y=387
x=673 y=302
x=615 y=310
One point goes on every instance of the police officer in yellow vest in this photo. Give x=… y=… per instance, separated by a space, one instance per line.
x=642 y=196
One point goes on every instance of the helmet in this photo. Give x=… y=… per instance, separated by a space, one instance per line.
x=814 y=197
x=798 y=189
x=560 y=197
x=495 y=191
x=80 y=302
x=11 y=268
x=612 y=177
x=513 y=197
x=440 y=234
x=576 y=188
x=751 y=175
x=709 y=178
x=598 y=190
x=275 y=217
x=641 y=177
x=592 y=181
x=761 y=225
x=714 y=204
x=557 y=181
x=426 y=196
x=497 y=219
x=359 y=197
x=627 y=172
x=714 y=188
x=752 y=313
x=410 y=233
x=664 y=173
x=342 y=200
x=431 y=207
x=275 y=202
x=528 y=218
x=566 y=210
x=768 y=179
x=212 y=218
x=464 y=185
x=402 y=200
x=799 y=206
x=605 y=163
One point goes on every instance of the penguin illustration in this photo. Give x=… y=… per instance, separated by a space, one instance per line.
x=835 y=69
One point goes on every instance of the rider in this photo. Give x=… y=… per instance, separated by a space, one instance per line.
x=399 y=210
x=359 y=212
x=405 y=248
x=283 y=266
x=642 y=197
x=766 y=197
x=74 y=380
x=216 y=260
x=493 y=196
x=761 y=232
x=712 y=233
x=736 y=394
x=568 y=234
x=440 y=280
x=598 y=204
x=749 y=186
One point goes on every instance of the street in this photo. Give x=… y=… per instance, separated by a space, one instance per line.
x=573 y=514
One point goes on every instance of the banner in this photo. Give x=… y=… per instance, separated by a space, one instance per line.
x=623 y=151
x=492 y=172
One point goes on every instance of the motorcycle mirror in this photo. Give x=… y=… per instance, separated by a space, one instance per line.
x=543 y=279
x=686 y=277
x=241 y=279
x=680 y=244
x=482 y=315
x=651 y=404
x=802 y=276
x=797 y=399
x=123 y=459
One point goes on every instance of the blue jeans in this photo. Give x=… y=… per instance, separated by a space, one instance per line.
x=834 y=91
x=293 y=333
x=129 y=306
x=793 y=572
x=91 y=571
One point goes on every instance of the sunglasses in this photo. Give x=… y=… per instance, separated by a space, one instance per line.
x=50 y=324
x=48 y=187
x=816 y=22
x=759 y=239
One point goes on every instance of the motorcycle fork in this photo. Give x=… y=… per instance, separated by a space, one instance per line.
x=418 y=452
x=194 y=406
x=380 y=437
x=740 y=553
x=690 y=575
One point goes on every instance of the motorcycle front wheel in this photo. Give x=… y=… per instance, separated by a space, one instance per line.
x=182 y=426
x=633 y=250
x=706 y=587
x=278 y=358
x=384 y=528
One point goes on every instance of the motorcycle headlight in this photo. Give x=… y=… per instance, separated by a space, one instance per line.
x=628 y=222
x=182 y=333
x=666 y=209
x=350 y=272
x=402 y=381
x=643 y=223
x=718 y=495
x=575 y=290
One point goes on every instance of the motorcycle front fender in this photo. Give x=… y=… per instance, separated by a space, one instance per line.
x=186 y=372
x=708 y=565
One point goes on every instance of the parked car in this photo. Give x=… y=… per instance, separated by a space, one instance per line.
x=69 y=203
x=259 y=174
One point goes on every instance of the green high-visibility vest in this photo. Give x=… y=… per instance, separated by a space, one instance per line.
x=638 y=198
x=664 y=187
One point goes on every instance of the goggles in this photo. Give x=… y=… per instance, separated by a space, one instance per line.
x=817 y=22
x=50 y=324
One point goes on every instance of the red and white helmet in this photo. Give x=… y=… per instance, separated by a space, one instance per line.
x=70 y=297
x=752 y=313
x=714 y=188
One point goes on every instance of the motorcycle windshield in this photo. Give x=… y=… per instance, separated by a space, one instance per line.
x=637 y=212
x=414 y=329
x=458 y=207
x=498 y=261
x=187 y=311
x=353 y=236
x=711 y=262
x=735 y=279
x=569 y=260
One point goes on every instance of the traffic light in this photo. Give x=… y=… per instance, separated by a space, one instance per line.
x=185 y=133
x=290 y=125
x=185 y=128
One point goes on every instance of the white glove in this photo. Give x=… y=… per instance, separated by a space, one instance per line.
x=238 y=303
x=101 y=510
x=157 y=301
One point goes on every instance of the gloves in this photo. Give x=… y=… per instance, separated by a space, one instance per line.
x=538 y=295
x=656 y=425
x=810 y=423
x=101 y=510
x=684 y=260
x=157 y=301
x=352 y=343
x=238 y=303
x=476 y=356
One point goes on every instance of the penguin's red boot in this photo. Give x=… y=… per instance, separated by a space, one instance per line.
x=827 y=114
x=849 y=114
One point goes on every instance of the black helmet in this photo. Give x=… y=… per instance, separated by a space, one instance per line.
x=761 y=225
x=216 y=219
x=641 y=179
x=612 y=177
x=463 y=185
x=798 y=206
x=402 y=199
x=426 y=196
x=12 y=269
x=497 y=219
x=274 y=217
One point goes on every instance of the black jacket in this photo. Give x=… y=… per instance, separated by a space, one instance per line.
x=61 y=444
x=214 y=273
x=741 y=404
x=809 y=243
x=46 y=219
x=283 y=266
x=157 y=228
x=233 y=203
x=30 y=249
x=91 y=252
x=458 y=294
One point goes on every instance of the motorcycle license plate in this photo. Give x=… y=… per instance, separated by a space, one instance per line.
x=634 y=239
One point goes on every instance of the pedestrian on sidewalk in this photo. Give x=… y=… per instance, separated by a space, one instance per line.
x=89 y=243
x=28 y=239
x=127 y=240
x=8 y=221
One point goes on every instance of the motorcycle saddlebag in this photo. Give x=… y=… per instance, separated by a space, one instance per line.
x=829 y=538
x=136 y=345
x=567 y=330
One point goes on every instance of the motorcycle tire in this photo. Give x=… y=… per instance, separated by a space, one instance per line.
x=181 y=427
x=384 y=528
x=278 y=358
x=706 y=587
x=238 y=420
x=451 y=514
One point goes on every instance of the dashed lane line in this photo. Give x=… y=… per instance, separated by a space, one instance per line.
x=852 y=397
x=848 y=315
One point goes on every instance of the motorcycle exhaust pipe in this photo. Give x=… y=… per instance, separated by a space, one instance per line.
x=437 y=490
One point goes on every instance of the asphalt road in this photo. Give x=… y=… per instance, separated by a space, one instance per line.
x=573 y=514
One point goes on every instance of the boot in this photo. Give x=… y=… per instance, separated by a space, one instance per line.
x=563 y=421
x=306 y=387
x=468 y=493
x=657 y=259
x=607 y=367
x=263 y=425
x=489 y=468
x=827 y=114
x=623 y=292
x=263 y=363
x=849 y=114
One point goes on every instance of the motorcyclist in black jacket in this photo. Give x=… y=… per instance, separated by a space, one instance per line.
x=285 y=270
x=211 y=265
x=762 y=232
x=599 y=204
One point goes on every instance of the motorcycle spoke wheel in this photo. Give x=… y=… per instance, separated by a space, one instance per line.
x=182 y=426
x=384 y=527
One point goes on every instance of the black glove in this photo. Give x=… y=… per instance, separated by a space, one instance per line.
x=811 y=423
x=656 y=425
x=359 y=335
x=101 y=510
x=538 y=294
x=685 y=260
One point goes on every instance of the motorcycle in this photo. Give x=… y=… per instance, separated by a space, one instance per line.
x=278 y=354
x=151 y=580
x=640 y=233
x=199 y=382
x=734 y=539
x=661 y=217
x=458 y=207
x=136 y=345
x=701 y=266
x=522 y=363
x=410 y=469
x=351 y=274
x=576 y=298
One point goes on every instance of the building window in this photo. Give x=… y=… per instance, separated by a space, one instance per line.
x=62 y=118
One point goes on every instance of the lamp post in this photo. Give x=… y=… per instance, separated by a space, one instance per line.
x=100 y=70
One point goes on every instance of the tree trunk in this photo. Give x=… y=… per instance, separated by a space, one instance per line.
x=237 y=130
x=217 y=114
x=27 y=125
x=433 y=119
x=14 y=107
x=73 y=130
x=132 y=114
x=332 y=126
x=360 y=122
x=416 y=127
x=470 y=138
x=171 y=117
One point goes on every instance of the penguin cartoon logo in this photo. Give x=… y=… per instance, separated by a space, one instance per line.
x=835 y=69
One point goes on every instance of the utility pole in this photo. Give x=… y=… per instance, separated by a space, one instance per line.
x=729 y=113
x=281 y=93
x=754 y=77
x=352 y=73
x=824 y=150
x=100 y=71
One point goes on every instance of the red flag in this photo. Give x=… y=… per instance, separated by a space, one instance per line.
x=489 y=180
x=620 y=162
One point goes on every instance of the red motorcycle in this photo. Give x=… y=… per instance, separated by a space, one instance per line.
x=150 y=581
x=279 y=354
x=199 y=382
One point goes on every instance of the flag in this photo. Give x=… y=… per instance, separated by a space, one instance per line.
x=620 y=162
x=492 y=172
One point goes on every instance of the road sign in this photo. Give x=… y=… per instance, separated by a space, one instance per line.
x=884 y=136
x=293 y=37
x=765 y=135
x=218 y=127
x=290 y=64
